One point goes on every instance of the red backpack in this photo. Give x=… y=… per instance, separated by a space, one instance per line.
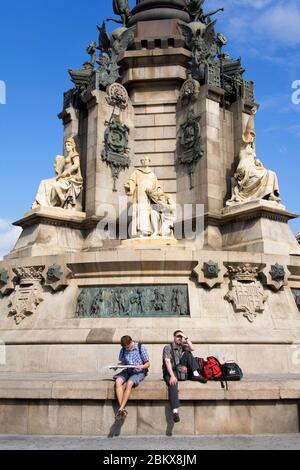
x=212 y=370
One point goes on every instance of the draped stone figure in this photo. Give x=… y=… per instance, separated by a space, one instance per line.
x=63 y=190
x=141 y=182
x=163 y=213
x=252 y=181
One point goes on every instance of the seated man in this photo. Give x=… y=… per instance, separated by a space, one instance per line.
x=131 y=354
x=179 y=355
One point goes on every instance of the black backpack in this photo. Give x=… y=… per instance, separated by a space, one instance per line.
x=232 y=372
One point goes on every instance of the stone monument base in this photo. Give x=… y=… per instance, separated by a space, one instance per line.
x=83 y=405
x=260 y=227
x=148 y=242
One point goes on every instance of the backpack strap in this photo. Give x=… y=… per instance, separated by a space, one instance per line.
x=174 y=358
x=146 y=371
x=224 y=383
x=140 y=350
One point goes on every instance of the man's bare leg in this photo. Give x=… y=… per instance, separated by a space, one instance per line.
x=126 y=395
x=119 y=390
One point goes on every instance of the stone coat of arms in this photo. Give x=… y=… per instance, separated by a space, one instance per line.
x=246 y=292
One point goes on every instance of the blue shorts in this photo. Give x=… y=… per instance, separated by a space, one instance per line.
x=131 y=374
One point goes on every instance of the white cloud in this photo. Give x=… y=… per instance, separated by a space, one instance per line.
x=257 y=4
x=281 y=23
x=8 y=236
x=264 y=24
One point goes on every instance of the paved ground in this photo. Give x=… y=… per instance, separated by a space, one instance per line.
x=274 y=442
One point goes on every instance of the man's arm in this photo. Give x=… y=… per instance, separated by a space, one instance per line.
x=145 y=366
x=189 y=343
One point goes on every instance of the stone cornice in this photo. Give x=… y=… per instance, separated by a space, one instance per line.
x=58 y=218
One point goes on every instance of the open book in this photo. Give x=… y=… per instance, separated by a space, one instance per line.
x=119 y=366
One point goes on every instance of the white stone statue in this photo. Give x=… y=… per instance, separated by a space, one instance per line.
x=63 y=190
x=153 y=211
x=163 y=213
x=252 y=180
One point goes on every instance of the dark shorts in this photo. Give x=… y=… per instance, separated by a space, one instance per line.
x=132 y=375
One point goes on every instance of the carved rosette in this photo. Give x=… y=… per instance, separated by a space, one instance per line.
x=275 y=276
x=189 y=91
x=57 y=277
x=210 y=273
x=117 y=96
x=245 y=290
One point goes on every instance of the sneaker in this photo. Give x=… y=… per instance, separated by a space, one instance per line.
x=200 y=379
x=176 y=418
x=119 y=415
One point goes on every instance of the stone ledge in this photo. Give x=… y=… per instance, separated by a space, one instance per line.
x=106 y=335
x=87 y=387
x=256 y=209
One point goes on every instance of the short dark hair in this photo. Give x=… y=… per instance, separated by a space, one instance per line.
x=177 y=331
x=126 y=341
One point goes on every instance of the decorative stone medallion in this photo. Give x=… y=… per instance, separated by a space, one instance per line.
x=211 y=270
x=189 y=91
x=57 y=277
x=277 y=272
x=115 y=152
x=133 y=301
x=117 y=96
x=246 y=292
x=54 y=273
x=190 y=150
x=209 y=273
x=275 y=276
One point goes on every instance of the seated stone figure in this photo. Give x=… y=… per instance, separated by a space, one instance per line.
x=63 y=190
x=163 y=213
x=252 y=181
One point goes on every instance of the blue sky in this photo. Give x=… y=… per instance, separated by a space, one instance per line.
x=41 y=40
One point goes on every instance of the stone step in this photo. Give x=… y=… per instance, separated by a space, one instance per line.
x=79 y=404
x=95 y=387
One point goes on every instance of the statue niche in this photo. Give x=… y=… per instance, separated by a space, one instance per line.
x=63 y=191
x=252 y=181
x=153 y=212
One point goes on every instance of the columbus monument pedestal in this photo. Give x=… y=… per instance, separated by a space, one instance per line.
x=159 y=191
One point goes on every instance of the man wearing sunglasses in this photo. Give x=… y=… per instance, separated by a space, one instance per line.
x=179 y=364
x=131 y=354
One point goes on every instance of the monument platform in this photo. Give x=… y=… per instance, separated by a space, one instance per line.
x=83 y=404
